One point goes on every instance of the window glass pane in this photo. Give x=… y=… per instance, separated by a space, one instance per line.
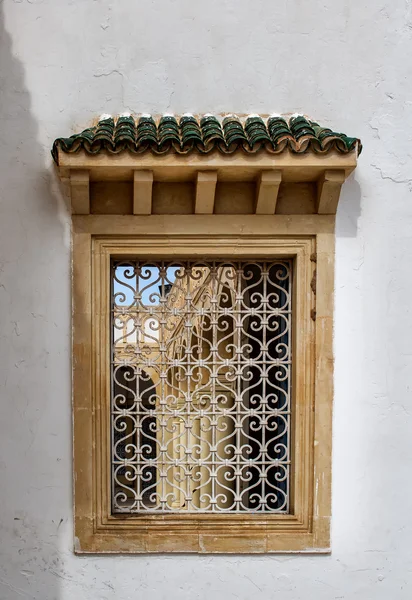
x=201 y=386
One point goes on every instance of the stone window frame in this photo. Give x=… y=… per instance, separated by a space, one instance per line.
x=308 y=528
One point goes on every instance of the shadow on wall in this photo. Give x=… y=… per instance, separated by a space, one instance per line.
x=349 y=209
x=33 y=505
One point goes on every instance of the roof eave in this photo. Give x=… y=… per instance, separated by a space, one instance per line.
x=239 y=166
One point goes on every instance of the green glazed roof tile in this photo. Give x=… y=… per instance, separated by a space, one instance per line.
x=256 y=131
x=233 y=132
x=190 y=132
x=209 y=133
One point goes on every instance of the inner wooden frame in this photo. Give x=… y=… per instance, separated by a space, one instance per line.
x=309 y=240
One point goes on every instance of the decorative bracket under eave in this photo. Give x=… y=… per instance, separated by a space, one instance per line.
x=328 y=191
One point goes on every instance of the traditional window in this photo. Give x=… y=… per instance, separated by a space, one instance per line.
x=203 y=292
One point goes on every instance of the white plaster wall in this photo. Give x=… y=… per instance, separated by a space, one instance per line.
x=346 y=63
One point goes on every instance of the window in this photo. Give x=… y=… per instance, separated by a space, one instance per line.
x=201 y=386
x=202 y=363
x=203 y=270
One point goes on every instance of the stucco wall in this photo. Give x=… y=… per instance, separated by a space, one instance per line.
x=346 y=63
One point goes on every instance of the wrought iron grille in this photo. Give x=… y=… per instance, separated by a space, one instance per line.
x=201 y=386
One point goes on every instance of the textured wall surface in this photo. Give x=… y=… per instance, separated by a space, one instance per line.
x=345 y=63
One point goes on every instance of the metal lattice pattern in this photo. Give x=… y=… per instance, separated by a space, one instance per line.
x=201 y=377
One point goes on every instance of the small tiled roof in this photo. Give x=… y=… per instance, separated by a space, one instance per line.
x=187 y=134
